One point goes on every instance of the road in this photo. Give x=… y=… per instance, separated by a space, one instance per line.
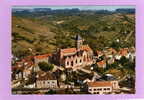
x=89 y=72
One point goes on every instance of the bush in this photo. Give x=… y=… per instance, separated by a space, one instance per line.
x=45 y=66
x=51 y=92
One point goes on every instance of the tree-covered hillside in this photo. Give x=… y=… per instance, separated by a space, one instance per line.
x=42 y=32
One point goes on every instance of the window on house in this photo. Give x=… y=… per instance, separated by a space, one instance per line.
x=67 y=63
x=72 y=63
x=76 y=61
x=84 y=59
x=99 y=89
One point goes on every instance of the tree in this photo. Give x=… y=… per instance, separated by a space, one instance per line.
x=123 y=60
x=115 y=45
x=51 y=92
x=45 y=66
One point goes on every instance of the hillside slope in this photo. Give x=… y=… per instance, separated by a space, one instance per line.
x=43 y=34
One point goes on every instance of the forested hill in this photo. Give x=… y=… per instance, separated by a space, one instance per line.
x=44 y=30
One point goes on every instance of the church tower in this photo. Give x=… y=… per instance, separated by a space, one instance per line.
x=79 y=41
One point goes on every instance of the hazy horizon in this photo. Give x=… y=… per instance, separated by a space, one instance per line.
x=110 y=8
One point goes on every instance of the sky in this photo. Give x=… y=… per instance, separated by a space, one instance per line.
x=111 y=8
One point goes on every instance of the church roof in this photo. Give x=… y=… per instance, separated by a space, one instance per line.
x=68 y=50
x=42 y=56
x=86 y=48
x=74 y=50
x=78 y=37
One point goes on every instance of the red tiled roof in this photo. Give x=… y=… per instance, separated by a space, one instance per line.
x=100 y=63
x=42 y=56
x=27 y=58
x=68 y=50
x=100 y=84
x=73 y=50
x=123 y=52
x=85 y=47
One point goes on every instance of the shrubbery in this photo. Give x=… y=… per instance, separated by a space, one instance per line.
x=45 y=66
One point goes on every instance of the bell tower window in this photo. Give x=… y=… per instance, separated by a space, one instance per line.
x=79 y=41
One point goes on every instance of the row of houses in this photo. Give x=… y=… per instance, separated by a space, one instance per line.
x=110 y=55
x=25 y=67
x=48 y=80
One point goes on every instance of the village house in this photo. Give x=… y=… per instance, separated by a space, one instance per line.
x=28 y=69
x=62 y=85
x=107 y=54
x=82 y=55
x=115 y=84
x=129 y=53
x=46 y=80
x=100 y=87
x=17 y=73
x=132 y=53
x=110 y=60
x=22 y=68
x=22 y=72
x=30 y=86
x=101 y=64
x=99 y=53
x=122 y=52
x=68 y=85
x=110 y=52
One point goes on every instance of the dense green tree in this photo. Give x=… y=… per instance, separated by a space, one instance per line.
x=45 y=66
x=123 y=60
x=51 y=92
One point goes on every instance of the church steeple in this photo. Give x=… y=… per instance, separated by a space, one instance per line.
x=79 y=41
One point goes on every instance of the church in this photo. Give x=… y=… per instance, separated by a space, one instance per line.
x=81 y=55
